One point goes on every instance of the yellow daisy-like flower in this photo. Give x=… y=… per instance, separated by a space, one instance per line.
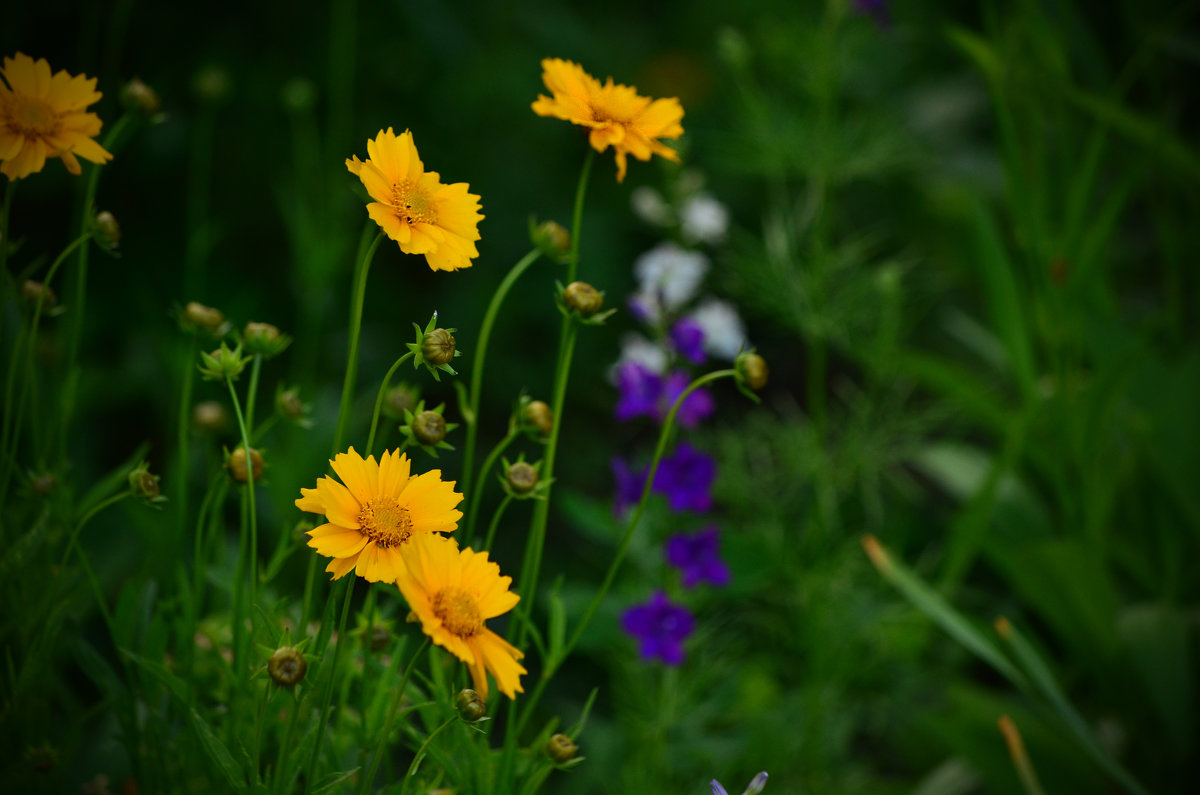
x=42 y=115
x=617 y=115
x=453 y=591
x=412 y=205
x=377 y=513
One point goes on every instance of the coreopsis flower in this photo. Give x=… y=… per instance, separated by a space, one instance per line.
x=413 y=207
x=616 y=114
x=660 y=627
x=453 y=591
x=685 y=478
x=697 y=557
x=42 y=115
x=375 y=512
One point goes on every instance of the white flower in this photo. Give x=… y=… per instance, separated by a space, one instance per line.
x=669 y=275
x=724 y=334
x=649 y=205
x=636 y=348
x=704 y=220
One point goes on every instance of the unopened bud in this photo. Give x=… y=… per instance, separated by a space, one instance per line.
x=299 y=95
x=107 y=231
x=237 y=464
x=264 y=339
x=210 y=416
x=204 y=317
x=522 y=477
x=33 y=292
x=212 y=84
x=561 y=748
x=143 y=484
x=752 y=369
x=552 y=239
x=399 y=399
x=222 y=363
x=287 y=666
x=43 y=484
x=469 y=705
x=538 y=416
x=429 y=428
x=437 y=347
x=289 y=404
x=138 y=96
x=583 y=298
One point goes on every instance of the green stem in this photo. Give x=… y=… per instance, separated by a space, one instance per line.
x=327 y=698
x=659 y=449
x=252 y=553
x=252 y=391
x=87 y=517
x=284 y=747
x=183 y=435
x=577 y=215
x=365 y=785
x=477 y=494
x=356 y=309
x=383 y=387
x=485 y=336
x=491 y=533
x=412 y=768
x=10 y=190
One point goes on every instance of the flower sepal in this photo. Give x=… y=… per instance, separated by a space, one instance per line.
x=522 y=480
x=427 y=428
x=581 y=304
x=222 y=363
x=435 y=348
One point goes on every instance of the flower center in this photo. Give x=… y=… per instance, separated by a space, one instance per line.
x=413 y=204
x=31 y=117
x=385 y=522
x=458 y=611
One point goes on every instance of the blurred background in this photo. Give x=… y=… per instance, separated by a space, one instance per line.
x=962 y=235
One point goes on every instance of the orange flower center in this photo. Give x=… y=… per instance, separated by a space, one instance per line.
x=385 y=522
x=413 y=204
x=31 y=118
x=458 y=611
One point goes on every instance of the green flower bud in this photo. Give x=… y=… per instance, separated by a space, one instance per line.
x=212 y=84
x=469 y=705
x=264 y=339
x=561 y=748
x=222 y=363
x=752 y=370
x=144 y=485
x=210 y=416
x=43 y=484
x=197 y=315
x=107 y=232
x=236 y=464
x=429 y=427
x=287 y=666
x=583 y=298
x=437 y=347
x=522 y=477
x=537 y=416
x=138 y=96
x=552 y=239
x=399 y=399
x=33 y=292
x=299 y=95
x=289 y=404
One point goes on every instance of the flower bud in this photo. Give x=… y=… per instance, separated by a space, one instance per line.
x=522 y=477
x=561 y=748
x=198 y=315
x=537 y=416
x=399 y=399
x=43 y=484
x=552 y=239
x=583 y=298
x=263 y=339
x=237 y=464
x=138 y=96
x=222 y=363
x=437 y=347
x=299 y=95
x=210 y=416
x=288 y=403
x=429 y=428
x=143 y=484
x=469 y=705
x=752 y=369
x=287 y=666
x=106 y=231
x=212 y=84
x=33 y=292
x=381 y=636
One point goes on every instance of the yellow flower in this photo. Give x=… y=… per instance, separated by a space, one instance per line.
x=412 y=205
x=378 y=511
x=43 y=116
x=617 y=116
x=452 y=591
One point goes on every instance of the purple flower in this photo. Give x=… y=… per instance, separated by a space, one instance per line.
x=640 y=390
x=697 y=557
x=688 y=338
x=629 y=485
x=660 y=628
x=753 y=788
x=685 y=478
x=696 y=406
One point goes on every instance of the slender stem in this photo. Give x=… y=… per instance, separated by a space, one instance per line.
x=252 y=554
x=284 y=747
x=252 y=391
x=577 y=215
x=659 y=449
x=356 y=309
x=491 y=533
x=10 y=190
x=327 y=698
x=183 y=436
x=485 y=336
x=383 y=387
x=412 y=768
x=114 y=499
x=260 y=719
x=365 y=785
x=477 y=494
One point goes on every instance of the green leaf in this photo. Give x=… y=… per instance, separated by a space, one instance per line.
x=1157 y=639
x=217 y=752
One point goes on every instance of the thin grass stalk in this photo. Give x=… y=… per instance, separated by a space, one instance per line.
x=327 y=698
x=367 y=780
